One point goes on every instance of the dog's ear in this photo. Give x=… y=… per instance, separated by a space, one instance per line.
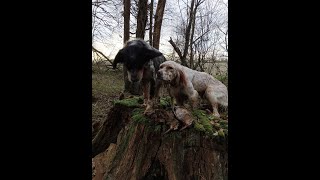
x=182 y=78
x=118 y=59
x=152 y=53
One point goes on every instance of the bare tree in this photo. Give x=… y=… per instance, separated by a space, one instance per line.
x=188 y=34
x=126 y=35
x=201 y=33
x=103 y=55
x=193 y=24
x=151 y=23
x=225 y=39
x=105 y=19
x=126 y=17
x=158 y=23
x=142 y=18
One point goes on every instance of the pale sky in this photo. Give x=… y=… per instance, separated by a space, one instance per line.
x=167 y=30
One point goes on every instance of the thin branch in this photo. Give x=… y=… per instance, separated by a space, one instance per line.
x=175 y=48
x=200 y=36
x=95 y=50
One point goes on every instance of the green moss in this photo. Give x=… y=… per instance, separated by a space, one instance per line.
x=211 y=117
x=138 y=116
x=191 y=139
x=203 y=122
x=221 y=133
x=225 y=131
x=224 y=126
x=124 y=142
x=208 y=127
x=130 y=102
x=199 y=127
x=157 y=128
x=165 y=102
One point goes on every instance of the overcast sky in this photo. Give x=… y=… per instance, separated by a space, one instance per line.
x=167 y=31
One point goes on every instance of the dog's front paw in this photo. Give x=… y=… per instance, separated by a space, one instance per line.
x=149 y=109
x=145 y=103
x=216 y=115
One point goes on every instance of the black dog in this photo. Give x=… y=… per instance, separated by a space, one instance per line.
x=142 y=62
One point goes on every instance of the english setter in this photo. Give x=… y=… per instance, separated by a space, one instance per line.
x=188 y=84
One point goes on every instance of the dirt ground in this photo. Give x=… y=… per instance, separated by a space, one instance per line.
x=107 y=84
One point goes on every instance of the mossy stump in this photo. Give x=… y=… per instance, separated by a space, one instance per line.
x=133 y=146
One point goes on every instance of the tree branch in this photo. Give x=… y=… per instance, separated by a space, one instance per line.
x=200 y=36
x=175 y=48
x=95 y=50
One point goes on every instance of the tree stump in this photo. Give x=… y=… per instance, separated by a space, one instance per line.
x=130 y=145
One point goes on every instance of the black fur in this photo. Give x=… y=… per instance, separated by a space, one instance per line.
x=151 y=69
x=139 y=56
x=135 y=55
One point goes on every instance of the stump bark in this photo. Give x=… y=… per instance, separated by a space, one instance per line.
x=127 y=147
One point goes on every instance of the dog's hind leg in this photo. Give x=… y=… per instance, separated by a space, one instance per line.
x=210 y=95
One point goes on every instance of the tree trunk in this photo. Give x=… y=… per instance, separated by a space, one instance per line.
x=158 y=23
x=183 y=56
x=192 y=33
x=187 y=37
x=151 y=23
x=126 y=33
x=191 y=39
x=142 y=18
x=132 y=146
x=176 y=48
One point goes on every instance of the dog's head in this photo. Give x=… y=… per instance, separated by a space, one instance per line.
x=170 y=72
x=135 y=55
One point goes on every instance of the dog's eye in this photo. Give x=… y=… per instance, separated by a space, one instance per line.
x=170 y=67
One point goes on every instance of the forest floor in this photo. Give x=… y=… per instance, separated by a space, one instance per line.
x=107 y=84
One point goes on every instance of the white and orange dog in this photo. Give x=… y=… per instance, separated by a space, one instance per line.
x=188 y=84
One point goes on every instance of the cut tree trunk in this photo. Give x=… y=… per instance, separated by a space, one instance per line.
x=127 y=148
